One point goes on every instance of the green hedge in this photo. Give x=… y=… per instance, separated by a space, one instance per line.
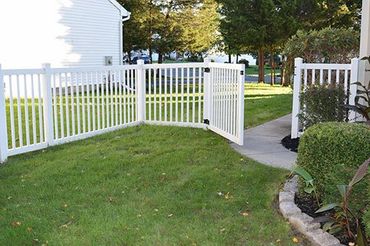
x=332 y=152
x=367 y=221
x=322 y=103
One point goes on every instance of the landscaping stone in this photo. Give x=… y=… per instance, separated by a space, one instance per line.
x=302 y=222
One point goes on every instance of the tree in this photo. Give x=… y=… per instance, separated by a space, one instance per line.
x=173 y=25
x=138 y=31
x=200 y=24
x=329 y=45
x=257 y=25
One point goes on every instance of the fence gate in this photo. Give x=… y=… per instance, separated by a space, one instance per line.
x=225 y=96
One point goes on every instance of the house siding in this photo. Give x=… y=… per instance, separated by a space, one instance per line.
x=65 y=33
x=94 y=32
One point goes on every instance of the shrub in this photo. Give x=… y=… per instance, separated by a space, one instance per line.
x=322 y=103
x=366 y=221
x=331 y=45
x=245 y=62
x=331 y=153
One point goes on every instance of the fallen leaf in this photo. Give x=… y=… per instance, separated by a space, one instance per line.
x=295 y=240
x=66 y=225
x=16 y=223
x=245 y=214
x=228 y=196
x=29 y=229
x=170 y=215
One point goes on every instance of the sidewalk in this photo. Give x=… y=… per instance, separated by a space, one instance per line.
x=262 y=143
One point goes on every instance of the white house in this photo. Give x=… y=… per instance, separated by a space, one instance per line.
x=64 y=33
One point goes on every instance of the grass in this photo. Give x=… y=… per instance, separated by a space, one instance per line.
x=141 y=186
x=147 y=186
x=264 y=103
x=253 y=70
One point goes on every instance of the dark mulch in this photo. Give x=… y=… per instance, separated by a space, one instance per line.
x=290 y=144
x=307 y=204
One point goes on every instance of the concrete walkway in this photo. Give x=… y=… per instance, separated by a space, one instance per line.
x=262 y=143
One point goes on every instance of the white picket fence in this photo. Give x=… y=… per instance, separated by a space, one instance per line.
x=50 y=106
x=307 y=74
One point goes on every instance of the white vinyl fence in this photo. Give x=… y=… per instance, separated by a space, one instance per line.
x=50 y=106
x=307 y=74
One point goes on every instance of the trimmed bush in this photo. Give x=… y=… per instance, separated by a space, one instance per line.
x=366 y=221
x=331 y=153
x=245 y=62
x=322 y=103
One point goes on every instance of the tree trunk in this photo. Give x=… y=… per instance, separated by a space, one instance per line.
x=129 y=57
x=237 y=58
x=261 y=66
x=229 y=58
x=160 y=57
x=151 y=54
x=272 y=70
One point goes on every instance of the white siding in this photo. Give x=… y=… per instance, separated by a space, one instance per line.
x=60 y=32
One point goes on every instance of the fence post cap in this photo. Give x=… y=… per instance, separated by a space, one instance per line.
x=298 y=59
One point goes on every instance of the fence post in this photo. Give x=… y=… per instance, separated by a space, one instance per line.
x=48 y=105
x=296 y=91
x=207 y=92
x=355 y=65
x=3 y=130
x=241 y=105
x=141 y=91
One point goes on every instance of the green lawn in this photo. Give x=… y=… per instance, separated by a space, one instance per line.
x=253 y=70
x=146 y=185
x=264 y=103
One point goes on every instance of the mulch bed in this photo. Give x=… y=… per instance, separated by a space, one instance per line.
x=308 y=206
x=290 y=144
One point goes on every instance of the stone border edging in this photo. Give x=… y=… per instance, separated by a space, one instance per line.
x=301 y=221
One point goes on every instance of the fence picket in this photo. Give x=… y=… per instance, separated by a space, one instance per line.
x=68 y=104
x=342 y=72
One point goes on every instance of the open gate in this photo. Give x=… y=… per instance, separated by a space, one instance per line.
x=224 y=91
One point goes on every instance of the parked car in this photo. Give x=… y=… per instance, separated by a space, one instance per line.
x=142 y=57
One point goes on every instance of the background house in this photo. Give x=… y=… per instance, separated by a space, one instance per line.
x=65 y=33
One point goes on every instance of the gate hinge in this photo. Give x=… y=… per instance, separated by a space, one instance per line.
x=206 y=121
x=207 y=70
x=241 y=72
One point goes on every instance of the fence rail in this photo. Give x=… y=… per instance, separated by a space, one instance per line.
x=308 y=74
x=49 y=106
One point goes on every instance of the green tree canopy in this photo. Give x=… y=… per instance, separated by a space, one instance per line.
x=261 y=25
x=175 y=25
x=330 y=45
